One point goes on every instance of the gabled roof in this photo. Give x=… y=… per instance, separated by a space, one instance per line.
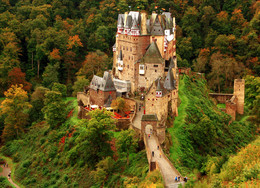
x=103 y=84
x=156 y=28
x=149 y=117
x=169 y=82
x=153 y=55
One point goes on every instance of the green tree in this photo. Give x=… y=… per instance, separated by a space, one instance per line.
x=121 y=105
x=50 y=75
x=126 y=143
x=15 y=109
x=79 y=85
x=37 y=101
x=54 y=109
x=60 y=88
x=95 y=135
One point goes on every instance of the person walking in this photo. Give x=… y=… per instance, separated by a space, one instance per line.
x=158 y=147
x=176 y=178
x=179 y=178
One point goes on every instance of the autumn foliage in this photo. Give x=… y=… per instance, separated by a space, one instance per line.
x=16 y=77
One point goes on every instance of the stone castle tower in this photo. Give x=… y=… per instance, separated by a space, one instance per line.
x=144 y=47
x=239 y=92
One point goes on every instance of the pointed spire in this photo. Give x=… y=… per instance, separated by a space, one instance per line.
x=159 y=87
x=169 y=81
x=172 y=64
x=134 y=26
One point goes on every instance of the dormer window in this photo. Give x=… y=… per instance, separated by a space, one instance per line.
x=158 y=93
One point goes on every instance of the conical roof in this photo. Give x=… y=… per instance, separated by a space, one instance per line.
x=120 y=22
x=128 y=22
x=159 y=87
x=172 y=64
x=135 y=26
x=169 y=81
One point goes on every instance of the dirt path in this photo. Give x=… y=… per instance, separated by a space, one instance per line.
x=5 y=173
x=168 y=172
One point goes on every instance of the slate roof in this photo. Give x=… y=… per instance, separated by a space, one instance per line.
x=169 y=82
x=120 y=22
x=104 y=84
x=149 y=117
x=128 y=24
x=159 y=87
x=172 y=64
x=153 y=55
x=135 y=25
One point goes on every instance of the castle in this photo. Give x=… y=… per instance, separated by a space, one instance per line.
x=144 y=60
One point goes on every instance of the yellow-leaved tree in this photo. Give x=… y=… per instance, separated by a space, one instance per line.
x=15 y=110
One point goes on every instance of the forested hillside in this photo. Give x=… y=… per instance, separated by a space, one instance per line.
x=203 y=130
x=50 y=50
x=43 y=42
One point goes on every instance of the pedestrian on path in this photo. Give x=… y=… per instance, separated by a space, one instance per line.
x=149 y=135
x=158 y=147
x=185 y=178
x=179 y=178
x=176 y=178
x=4 y=164
x=160 y=155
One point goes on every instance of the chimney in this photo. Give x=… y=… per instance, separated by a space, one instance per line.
x=126 y=14
x=143 y=23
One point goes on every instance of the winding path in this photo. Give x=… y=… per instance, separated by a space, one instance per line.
x=5 y=173
x=167 y=170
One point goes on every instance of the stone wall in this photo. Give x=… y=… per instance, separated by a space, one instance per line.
x=221 y=97
x=100 y=97
x=152 y=72
x=231 y=108
x=158 y=105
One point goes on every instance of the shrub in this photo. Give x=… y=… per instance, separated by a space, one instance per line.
x=60 y=88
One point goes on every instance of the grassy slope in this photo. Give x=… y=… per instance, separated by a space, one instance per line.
x=195 y=104
x=40 y=161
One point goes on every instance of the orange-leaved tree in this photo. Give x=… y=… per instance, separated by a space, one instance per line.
x=15 y=109
x=16 y=77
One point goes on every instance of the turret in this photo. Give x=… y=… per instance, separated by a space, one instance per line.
x=159 y=89
x=120 y=25
x=128 y=25
x=135 y=29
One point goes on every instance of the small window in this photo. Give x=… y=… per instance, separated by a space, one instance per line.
x=155 y=70
x=130 y=49
x=126 y=48
x=155 y=65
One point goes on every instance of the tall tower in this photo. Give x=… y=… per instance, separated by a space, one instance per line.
x=239 y=92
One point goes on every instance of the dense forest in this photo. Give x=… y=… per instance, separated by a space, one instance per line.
x=47 y=41
x=50 y=49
